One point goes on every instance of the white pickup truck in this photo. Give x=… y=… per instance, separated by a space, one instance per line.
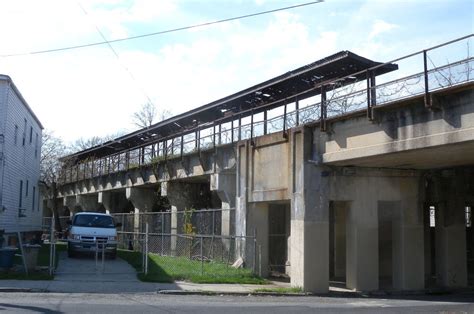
x=90 y=231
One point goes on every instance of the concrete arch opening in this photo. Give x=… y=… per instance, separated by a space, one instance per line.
x=66 y=211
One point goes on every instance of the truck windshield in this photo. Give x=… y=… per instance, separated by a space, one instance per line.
x=95 y=221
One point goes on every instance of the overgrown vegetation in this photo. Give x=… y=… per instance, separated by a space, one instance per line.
x=169 y=269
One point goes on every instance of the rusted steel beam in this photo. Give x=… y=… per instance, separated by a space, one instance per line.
x=297 y=111
x=322 y=120
x=425 y=73
x=251 y=130
x=265 y=122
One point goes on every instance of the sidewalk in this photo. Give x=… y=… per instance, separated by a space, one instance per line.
x=82 y=275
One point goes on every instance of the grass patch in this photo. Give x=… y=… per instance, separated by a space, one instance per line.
x=169 y=269
x=281 y=290
x=43 y=261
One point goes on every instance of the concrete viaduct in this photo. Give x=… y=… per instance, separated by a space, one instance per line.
x=371 y=185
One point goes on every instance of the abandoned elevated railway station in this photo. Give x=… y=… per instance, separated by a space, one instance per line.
x=345 y=170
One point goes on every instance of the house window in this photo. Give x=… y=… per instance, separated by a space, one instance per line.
x=24 y=133
x=34 y=199
x=16 y=134
x=36 y=145
x=20 y=203
x=31 y=134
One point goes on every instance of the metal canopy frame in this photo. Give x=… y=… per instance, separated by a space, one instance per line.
x=306 y=81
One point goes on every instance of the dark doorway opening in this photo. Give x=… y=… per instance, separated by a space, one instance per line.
x=338 y=212
x=385 y=233
x=279 y=233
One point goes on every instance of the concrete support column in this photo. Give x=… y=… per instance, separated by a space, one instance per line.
x=174 y=229
x=309 y=256
x=181 y=197
x=362 y=244
x=225 y=186
x=105 y=198
x=408 y=229
x=451 y=265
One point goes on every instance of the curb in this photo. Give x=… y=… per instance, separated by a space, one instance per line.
x=27 y=290
x=336 y=294
x=229 y=293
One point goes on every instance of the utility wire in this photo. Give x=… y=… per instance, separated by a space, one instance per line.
x=105 y=42
x=140 y=87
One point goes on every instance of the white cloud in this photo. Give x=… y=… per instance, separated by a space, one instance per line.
x=380 y=27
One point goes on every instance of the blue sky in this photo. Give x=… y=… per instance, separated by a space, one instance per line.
x=87 y=92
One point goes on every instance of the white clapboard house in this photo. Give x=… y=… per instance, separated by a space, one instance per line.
x=20 y=152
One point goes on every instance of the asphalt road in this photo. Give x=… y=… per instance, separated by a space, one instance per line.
x=154 y=303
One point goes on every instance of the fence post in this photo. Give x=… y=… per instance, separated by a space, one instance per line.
x=103 y=258
x=255 y=250
x=96 y=254
x=20 y=241
x=202 y=260
x=51 y=255
x=54 y=255
x=213 y=232
x=162 y=232
x=146 y=248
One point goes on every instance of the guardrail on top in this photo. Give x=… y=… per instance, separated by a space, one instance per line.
x=420 y=73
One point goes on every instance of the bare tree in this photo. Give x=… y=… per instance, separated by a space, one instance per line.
x=52 y=148
x=148 y=115
x=145 y=117
x=85 y=143
x=163 y=115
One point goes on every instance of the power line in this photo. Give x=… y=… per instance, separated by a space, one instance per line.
x=118 y=57
x=105 y=42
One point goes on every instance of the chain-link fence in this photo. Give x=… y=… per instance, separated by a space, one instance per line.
x=203 y=221
x=189 y=243
x=184 y=256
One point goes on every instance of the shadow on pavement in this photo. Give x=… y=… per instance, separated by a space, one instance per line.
x=6 y=307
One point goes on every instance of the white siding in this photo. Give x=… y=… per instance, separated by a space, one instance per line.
x=20 y=163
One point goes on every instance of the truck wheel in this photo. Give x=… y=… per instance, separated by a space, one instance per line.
x=70 y=253
x=113 y=255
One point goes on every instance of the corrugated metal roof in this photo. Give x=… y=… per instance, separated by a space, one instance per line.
x=301 y=82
